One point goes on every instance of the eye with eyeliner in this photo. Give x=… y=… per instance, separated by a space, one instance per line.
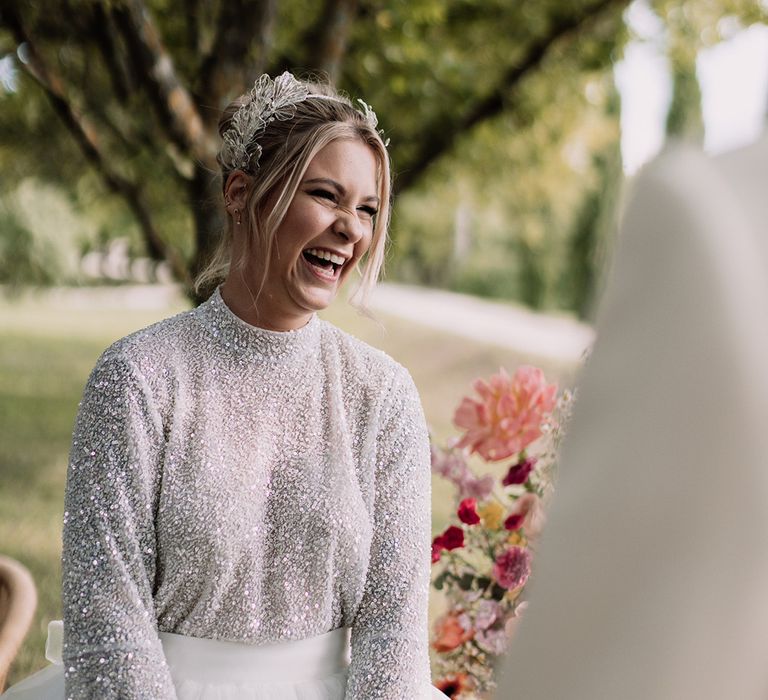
x=324 y=194
x=370 y=211
x=330 y=196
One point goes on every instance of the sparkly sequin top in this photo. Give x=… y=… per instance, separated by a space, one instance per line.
x=234 y=483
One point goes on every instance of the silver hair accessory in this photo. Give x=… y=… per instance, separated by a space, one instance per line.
x=266 y=101
x=369 y=114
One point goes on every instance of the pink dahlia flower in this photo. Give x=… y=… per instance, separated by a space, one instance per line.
x=512 y=568
x=509 y=414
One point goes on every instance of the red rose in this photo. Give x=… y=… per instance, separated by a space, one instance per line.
x=453 y=538
x=525 y=513
x=518 y=473
x=437 y=549
x=514 y=521
x=468 y=511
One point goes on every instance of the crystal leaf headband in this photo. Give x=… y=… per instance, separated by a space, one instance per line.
x=266 y=101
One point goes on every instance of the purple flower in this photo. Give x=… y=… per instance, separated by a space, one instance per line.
x=493 y=641
x=487 y=613
x=477 y=488
x=450 y=464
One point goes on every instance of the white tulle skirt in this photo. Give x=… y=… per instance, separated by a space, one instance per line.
x=207 y=669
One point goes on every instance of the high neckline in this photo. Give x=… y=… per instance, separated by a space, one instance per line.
x=242 y=337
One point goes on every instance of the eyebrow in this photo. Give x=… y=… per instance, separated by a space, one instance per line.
x=338 y=186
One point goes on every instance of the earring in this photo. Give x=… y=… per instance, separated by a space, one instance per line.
x=237 y=214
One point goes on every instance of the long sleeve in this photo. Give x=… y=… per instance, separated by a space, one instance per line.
x=389 y=634
x=111 y=644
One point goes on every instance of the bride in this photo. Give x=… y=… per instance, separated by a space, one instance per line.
x=247 y=508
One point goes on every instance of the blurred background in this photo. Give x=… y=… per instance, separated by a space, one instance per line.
x=515 y=129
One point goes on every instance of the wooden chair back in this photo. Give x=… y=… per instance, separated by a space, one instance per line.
x=18 y=600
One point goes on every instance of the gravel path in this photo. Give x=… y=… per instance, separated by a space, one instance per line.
x=558 y=338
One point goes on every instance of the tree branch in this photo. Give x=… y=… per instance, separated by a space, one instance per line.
x=441 y=138
x=88 y=141
x=100 y=25
x=326 y=42
x=175 y=110
x=102 y=28
x=243 y=40
x=191 y=15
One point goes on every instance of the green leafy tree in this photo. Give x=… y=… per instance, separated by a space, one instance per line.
x=138 y=85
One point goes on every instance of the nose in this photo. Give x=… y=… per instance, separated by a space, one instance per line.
x=348 y=225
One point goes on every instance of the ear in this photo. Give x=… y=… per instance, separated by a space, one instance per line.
x=236 y=191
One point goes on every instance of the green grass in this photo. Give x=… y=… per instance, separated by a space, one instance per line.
x=46 y=353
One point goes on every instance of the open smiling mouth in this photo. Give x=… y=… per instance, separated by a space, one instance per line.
x=324 y=264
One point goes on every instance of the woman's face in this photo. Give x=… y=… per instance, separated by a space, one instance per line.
x=326 y=230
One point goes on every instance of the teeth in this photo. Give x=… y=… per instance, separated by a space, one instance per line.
x=327 y=255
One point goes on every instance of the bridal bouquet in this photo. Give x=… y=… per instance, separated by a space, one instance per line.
x=483 y=558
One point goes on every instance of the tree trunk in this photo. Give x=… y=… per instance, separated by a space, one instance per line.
x=328 y=40
x=205 y=200
x=684 y=119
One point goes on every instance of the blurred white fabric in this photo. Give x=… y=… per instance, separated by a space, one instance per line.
x=651 y=580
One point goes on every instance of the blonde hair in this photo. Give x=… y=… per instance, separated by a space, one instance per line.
x=287 y=148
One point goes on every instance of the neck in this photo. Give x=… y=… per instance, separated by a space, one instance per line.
x=258 y=312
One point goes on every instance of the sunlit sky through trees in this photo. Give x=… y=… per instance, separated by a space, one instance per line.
x=733 y=76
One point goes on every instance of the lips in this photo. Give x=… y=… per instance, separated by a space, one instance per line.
x=327 y=255
x=325 y=270
x=323 y=263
